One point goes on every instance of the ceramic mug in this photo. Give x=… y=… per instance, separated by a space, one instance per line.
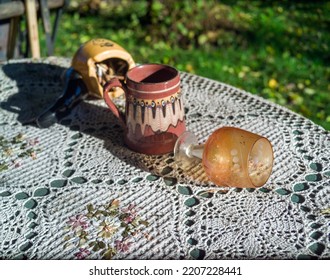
x=154 y=112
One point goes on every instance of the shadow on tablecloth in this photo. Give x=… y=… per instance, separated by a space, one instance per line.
x=34 y=87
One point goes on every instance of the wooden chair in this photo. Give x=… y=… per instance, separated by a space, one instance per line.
x=13 y=12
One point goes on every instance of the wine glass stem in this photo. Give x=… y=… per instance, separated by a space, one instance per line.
x=195 y=151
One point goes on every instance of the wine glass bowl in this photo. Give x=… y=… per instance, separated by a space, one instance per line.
x=230 y=156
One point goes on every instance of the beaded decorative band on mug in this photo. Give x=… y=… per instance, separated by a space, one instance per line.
x=155 y=103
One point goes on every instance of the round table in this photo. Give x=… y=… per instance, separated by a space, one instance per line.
x=74 y=191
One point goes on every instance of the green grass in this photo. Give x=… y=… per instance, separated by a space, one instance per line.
x=277 y=50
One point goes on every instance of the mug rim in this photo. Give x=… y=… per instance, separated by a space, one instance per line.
x=139 y=66
x=151 y=90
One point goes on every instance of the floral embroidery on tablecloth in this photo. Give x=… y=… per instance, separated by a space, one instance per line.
x=14 y=150
x=104 y=229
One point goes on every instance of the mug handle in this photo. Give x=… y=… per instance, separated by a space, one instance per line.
x=114 y=82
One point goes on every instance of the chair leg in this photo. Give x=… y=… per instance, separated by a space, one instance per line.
x=31 y=14
x=47 y=26
x=12 y=37
x=59 y=13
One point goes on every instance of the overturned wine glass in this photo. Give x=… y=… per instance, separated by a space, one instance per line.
x=231 y=157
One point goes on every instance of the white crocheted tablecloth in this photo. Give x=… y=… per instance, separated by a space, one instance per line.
x=74 y=191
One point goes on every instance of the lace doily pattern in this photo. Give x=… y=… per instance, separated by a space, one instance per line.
x=74 y=191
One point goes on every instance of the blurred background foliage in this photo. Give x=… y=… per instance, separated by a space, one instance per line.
x=276 y=49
